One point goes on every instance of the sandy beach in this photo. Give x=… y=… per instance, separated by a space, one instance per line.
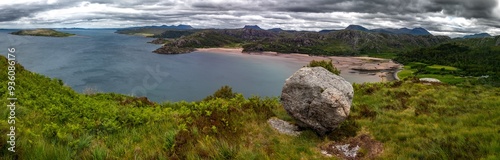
x=383 y=68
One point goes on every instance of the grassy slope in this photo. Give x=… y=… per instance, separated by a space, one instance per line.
x=432 y=122
x=414 y=121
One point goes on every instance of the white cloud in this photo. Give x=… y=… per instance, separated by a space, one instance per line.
x=496 y=10
x=19 y=2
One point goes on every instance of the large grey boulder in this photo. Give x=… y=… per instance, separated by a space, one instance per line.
x=317 y=99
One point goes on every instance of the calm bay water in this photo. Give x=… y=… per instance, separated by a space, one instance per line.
x=110 y=62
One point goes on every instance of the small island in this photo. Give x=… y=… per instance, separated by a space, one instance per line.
x=42 y=32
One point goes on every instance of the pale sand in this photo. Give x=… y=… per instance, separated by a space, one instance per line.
x=342 y=63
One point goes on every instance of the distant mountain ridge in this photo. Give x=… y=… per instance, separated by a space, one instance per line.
x=150 y=31
x=178 y=27
x=256 y=27
x=156 y=30
x=419 y=31
x=276 y=29
x=478 y=35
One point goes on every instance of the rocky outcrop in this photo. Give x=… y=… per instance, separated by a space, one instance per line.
x=158 y=41
x=317 y=99
x=173 y=50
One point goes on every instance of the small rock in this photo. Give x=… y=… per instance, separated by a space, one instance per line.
x=284 y=127
x=429 y=80
x=326 y=153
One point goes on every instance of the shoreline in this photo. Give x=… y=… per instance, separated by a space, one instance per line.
x=383 y=68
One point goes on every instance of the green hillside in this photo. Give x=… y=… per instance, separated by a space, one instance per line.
x=411 y=120
x=345 y=42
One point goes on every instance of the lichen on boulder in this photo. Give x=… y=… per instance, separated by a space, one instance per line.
x=317 y=99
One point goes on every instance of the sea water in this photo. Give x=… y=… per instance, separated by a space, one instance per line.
x=99 y=59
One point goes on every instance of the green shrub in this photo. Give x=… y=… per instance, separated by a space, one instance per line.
x=225 y=92
x=325 y=64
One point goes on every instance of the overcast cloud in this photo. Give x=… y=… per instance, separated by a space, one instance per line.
x=440 y=17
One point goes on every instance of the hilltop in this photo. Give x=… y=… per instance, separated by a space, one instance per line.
x=42 y=32
x=256 y=27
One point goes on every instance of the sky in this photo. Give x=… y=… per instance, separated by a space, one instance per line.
x=441 y=17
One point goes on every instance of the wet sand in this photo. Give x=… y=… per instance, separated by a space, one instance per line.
x=383 y=68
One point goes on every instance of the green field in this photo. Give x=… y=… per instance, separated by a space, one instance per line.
x=432 y=71
x=439 y=67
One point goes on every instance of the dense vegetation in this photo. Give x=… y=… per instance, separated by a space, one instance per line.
x=412 y=120
x=470 y=57
x=42 y=32
x=344 y=42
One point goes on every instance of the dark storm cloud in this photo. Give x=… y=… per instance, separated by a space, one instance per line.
x=467 y=8
x=129 y=3
x=277 y=16
x=15 y=12
x=12 y=14
x=360 y=6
